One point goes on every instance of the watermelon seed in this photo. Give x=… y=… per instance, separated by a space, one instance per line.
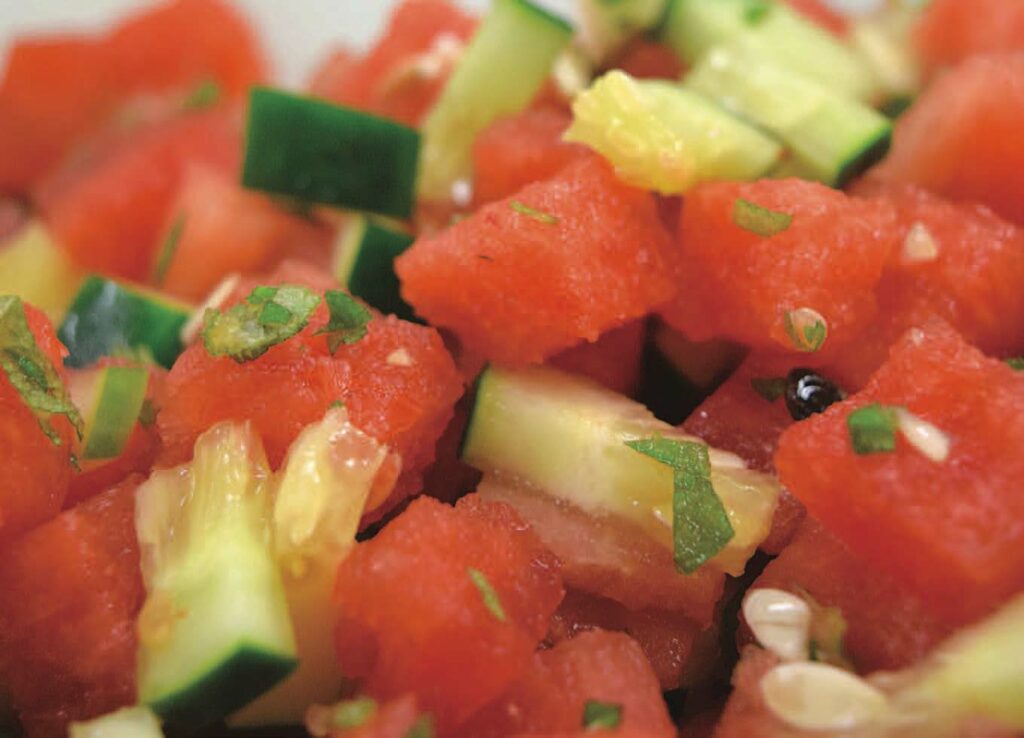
x=816 y=696
x=780 y=621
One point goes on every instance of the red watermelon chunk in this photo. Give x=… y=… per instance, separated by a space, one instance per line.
x=514 y=152
x=679 y=651
x=615 y=360
x=403 y=74
x=411 y=618
x=961 y=137
x=736 y=284
x=36 y=471
x=888 y=628
x=953 y=30
x=560 y=262
x=223 y=228
x=72 y=589
x=646 y=59
x=820 y=13
x=394 y=718
x=549 y=697
x=746 y=715
x=405 y=404
x=951 y=531
x=109 y=212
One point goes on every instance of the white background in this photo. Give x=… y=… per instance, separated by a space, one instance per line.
x=297 y=33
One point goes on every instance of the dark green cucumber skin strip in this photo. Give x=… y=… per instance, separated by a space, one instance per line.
x=866 y=158
x=322 y=153
x=235 y=683
x=544 y=14
x=106 y=316
x=373 y=275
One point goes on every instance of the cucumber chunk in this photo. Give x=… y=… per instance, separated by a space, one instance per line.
x=831 y=138
x=502 y=68
x=110 y=400
x=318 y=152
x=776 y=34
x=660 y=136
x=107 y=316
x=321 y=493
x=364 y=259
x=567 y=436
x=214 y=632
x=36 y=269
x=129 y=722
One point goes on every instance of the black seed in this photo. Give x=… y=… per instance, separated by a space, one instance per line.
x=807 y=393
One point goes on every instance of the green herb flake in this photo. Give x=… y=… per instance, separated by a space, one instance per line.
x=168 y=249
x=873 y=429
x=1016 y=363
x=30 y=371
x=764 y=222
x=538 y=215
x=353 y=713
x=268 y=316
x=422 y=728
x=700 y=523
x=348 y=320
x=756 y=11
x=487 y=594
x=205 y=95
x=599 y=715
x=770 y=388
x=806 y=328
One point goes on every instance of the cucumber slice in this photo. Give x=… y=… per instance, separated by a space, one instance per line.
x=364 y=257
x=776 y=34
x=110 y=400
x=660 y=136
x=108 y=316
x=129 y=722
x=321 y=493
x=830 y=137
x=36 y=269
x=567 y=436
x=885 y=45
x=214 y=632
x=502 y=68
x=317 y=152
x=605 y=27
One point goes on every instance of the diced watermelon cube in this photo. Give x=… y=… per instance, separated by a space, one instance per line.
x=953 y=30
x=949 y=529
x=447 y=603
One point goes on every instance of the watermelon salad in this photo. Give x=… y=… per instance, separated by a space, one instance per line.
x=655 y=374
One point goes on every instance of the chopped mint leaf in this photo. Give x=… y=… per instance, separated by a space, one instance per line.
x=764 y=222
x=599 y=715
x=268 y=316
x=806 y=329
x=205 y=95
x=770 y=388
x=422 y=728
x=30 y=371
x=335 y=404
x=353 y=713
x=873 y=429
x=756 y=11
x=538 y=215
x=1016 y=363
x=487 y=594
x=168 y=249
x=348 y=320
x=700 y=524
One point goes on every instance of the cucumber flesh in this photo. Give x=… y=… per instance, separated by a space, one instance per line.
x=364 y=262
x=501 y=69
x=39 y=271
x=129 y=722
x=831 y=138
x=214 y=632
x=110 y=400
x=320 y=496
x=567 y=436
x=108 y=316
x=776 y=34
x=318 y=152
x=663 y=137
